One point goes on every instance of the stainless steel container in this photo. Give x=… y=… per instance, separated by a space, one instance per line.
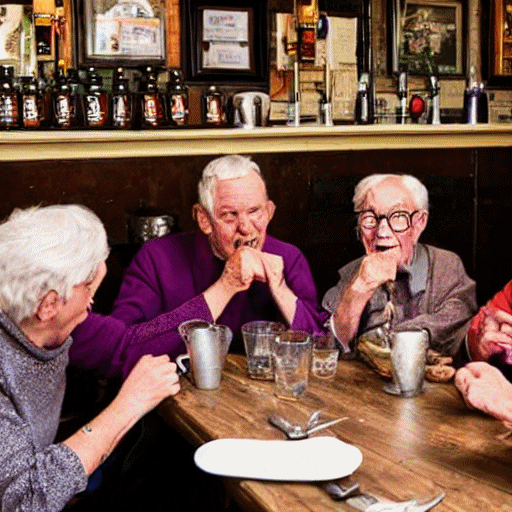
x=145 y=224
x=251 y=109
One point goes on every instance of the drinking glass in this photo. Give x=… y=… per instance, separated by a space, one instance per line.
x=258 y=338
x=292 y=360
x=324 y=360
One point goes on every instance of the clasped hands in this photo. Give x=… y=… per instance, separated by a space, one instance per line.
x=494 y=335
x=246 y=265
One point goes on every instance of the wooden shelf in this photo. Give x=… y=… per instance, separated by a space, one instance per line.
x=74 y=145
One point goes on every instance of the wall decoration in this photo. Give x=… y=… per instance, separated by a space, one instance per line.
x=225 y=41
x=427 y=37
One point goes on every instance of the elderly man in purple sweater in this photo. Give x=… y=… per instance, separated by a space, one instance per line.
x=229 y=271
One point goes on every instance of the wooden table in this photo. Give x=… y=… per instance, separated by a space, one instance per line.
x=416 y=447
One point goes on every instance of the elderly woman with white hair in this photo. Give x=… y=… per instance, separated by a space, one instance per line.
x=228 y=271
x=52 y=261
x=427 y=286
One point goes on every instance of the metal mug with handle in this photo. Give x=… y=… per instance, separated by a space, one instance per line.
x=408 y=362
x=207 y=346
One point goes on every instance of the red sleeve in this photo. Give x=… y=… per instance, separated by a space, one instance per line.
x=502 y=300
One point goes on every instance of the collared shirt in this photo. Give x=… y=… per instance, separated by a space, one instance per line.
x=417 y=270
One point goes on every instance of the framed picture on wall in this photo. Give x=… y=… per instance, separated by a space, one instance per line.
x=113 y=32
x=427 y=37
x=225 y=40
x=501 y=37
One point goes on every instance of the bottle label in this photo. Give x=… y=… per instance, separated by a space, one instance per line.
x=121 y=111
x=30 y=111
x=63 y=112
x=213 y=110
x=93 y=110
x=150 y=109
x=7 y=110
x=179 y=108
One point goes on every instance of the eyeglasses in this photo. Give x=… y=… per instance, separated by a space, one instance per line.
x=399 y=221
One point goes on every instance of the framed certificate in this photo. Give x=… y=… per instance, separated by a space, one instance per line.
x=222 y=42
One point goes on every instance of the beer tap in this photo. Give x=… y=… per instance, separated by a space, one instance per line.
x=325 y=104
x=294 y=107
x=434 y=115
x=363 y=100
x=471 y=98
x=402 y=97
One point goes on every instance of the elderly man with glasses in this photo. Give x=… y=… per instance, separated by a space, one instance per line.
x=421 y=286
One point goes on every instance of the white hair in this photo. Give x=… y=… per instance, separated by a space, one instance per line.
x=224 y=168
x=418 y=191
x=44 y=249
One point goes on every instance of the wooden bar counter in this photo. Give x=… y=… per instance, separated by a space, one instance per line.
x=55 y=145
x=416 y=447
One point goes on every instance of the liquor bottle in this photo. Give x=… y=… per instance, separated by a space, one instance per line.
x=212 y=107
x=61 y=102
x=9 y=99
x=96 y=101
x=31 y=103
x=177 y=99
x=121 y=101
x=76 y=99
x=46 y=91
x=150 y=105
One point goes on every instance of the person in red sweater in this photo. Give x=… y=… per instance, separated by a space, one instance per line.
x=490 y=331
x=485 y=381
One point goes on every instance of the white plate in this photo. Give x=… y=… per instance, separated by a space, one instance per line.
x=314 y=459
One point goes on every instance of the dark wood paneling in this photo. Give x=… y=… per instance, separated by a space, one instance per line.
x=312 y=191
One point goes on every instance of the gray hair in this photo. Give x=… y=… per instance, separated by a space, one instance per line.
x=418 y=191
x=44 y=249
x=224 y=168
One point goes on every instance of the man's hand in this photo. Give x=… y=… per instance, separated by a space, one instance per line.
x=242 y=268
x=494 y=336
x=151 y=380
x=285 y=299
x=484 y=387
x=375 y=269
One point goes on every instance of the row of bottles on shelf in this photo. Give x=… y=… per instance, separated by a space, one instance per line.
x=72 y=103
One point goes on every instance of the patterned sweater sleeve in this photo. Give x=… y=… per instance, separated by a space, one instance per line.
x=32 y=480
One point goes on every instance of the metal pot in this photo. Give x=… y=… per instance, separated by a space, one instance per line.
x=147 y=223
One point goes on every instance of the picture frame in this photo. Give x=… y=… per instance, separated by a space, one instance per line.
x=112 y=33
x=225 y=41
x=427 y=37
x=497 y=31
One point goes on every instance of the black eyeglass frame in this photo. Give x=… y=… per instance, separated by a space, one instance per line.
x=378 y=219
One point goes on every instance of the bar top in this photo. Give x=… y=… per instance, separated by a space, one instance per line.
x=72 y=145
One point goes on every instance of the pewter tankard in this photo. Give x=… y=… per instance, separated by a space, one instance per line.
x=408 y=362
x=207 y=347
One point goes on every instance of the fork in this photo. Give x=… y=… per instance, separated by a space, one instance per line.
x=295 y=432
